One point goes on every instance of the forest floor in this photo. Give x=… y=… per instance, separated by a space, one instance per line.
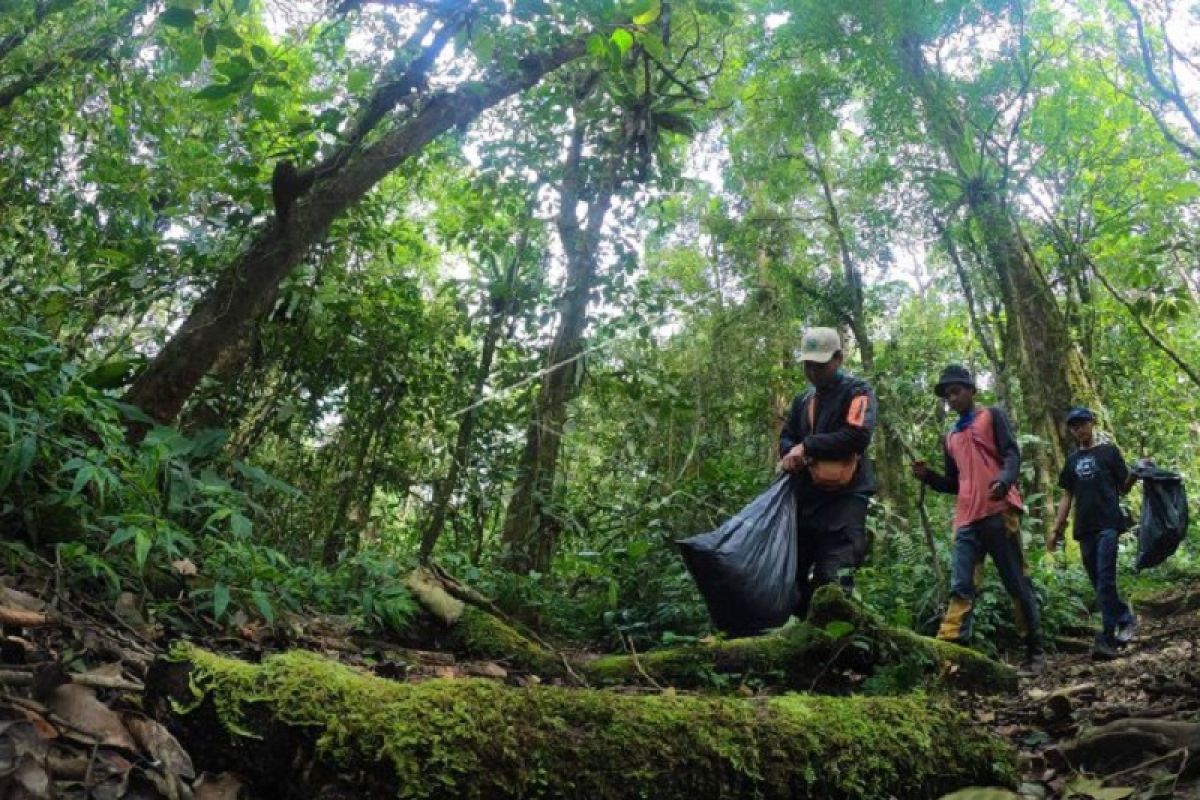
x=1157 y=677
x=71 y=724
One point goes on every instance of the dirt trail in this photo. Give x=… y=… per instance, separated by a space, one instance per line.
x=1156 y=679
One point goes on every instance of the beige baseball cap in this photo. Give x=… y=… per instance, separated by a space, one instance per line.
x=819 y=344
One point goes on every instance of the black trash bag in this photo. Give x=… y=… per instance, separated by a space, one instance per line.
x=746 y=569
x=1164 y=520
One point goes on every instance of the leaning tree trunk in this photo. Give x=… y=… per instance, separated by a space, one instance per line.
x=247 y=287
x=1052 y=371
x=528 y=537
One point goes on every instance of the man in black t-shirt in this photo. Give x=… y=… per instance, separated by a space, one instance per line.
x=1095 y=476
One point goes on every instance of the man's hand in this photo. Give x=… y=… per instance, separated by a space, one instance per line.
x=794 y=459
x=920 y=470
x=997 y=490
x=1053 y=540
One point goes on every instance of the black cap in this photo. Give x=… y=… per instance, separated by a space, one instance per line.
x=1080 y=414
x=955 y=373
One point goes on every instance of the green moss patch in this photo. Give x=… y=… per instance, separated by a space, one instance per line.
x=838 y=634
x=479 y=739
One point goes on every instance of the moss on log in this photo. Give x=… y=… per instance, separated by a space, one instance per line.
x=839 y=635
x=298 y=725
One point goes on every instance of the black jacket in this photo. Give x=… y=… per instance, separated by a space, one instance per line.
x=1006 y=444
x=833 y=436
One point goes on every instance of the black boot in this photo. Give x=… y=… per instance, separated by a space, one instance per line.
x=1034 y=663
x=1104 y=648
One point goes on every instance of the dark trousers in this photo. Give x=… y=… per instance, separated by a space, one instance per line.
x=832 y=537
x=1099 y=550
x=998 y=536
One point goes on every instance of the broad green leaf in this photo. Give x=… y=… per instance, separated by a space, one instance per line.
x=240 y=525
x=483 y=45
x=120 y=536
x=358 y=80
x=228 y=37
x=111 y=375
x=263 y=604
x=83 y=477
x=653 y=45
x=597 y=47
x=181 y=18
x=838 y=628
x=190 y=53
x=623 y=39
x=218 y=91
x=210 y=42
x=142 y=542
x=647 y=12
x=220 y=600
x=267 y=107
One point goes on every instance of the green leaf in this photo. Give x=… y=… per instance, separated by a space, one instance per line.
x=358 y=80
x=141 y=547
x=182 y=18
x=111 y=375
x=597 y=47
x=218 y=91
x=646 y=11
x=259 y=53
x=83 y=477
x=653 y=45
x=266 y=106
x=240 y=525
x=190 y=53
x=483 y=45
x=210 y=43
x=264 y=606
x=241 y=6
x=838 y=628
x=120 y=536
x=220 y=600
x=134 y=414
x=228 y=37
x=623 y=39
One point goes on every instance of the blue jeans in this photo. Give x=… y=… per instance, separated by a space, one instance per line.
x=1000 y=537
x=1099 y=551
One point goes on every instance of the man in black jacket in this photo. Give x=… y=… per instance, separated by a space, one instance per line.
x=822 y=445
x=1095 y=477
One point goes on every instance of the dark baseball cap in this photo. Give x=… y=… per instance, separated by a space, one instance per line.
x=955 y=373
x=1080 y=414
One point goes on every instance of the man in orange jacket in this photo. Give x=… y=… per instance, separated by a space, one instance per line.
x=982 y=465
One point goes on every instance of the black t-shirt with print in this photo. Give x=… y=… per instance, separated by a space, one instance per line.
x=1095 y=477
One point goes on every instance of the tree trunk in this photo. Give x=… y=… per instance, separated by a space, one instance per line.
x=247 y=288
x=528 y=537
x=1053 y=375
x=500 y=306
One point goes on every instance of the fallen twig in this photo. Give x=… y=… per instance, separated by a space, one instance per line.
x=23 y=618
x=18 y=676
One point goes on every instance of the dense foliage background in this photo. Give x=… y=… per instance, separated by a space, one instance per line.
x=293 y=293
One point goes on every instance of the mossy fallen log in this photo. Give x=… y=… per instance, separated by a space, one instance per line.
x=474 y=632
x=297 y=725
x=839 y=637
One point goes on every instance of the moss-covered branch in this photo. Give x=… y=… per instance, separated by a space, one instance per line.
x=336 y=732
x=839 y=635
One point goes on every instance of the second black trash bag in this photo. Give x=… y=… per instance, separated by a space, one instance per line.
x=1164 y=520
x=746 y=569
